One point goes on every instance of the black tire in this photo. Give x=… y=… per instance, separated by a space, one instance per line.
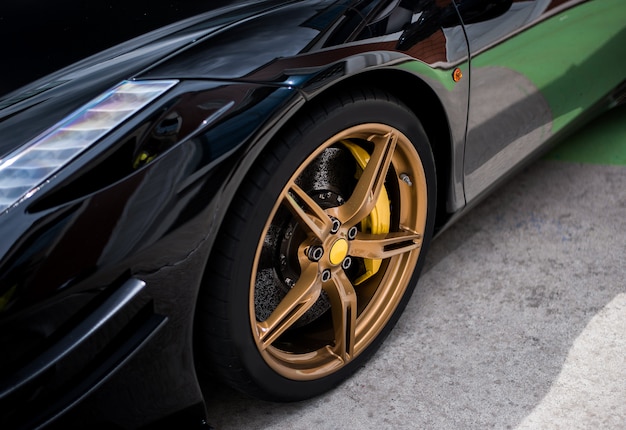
x=283 y=316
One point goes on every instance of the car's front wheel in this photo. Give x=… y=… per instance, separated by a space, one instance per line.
x=320 y=250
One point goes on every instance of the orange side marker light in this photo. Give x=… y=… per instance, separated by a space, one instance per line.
x=457 y=75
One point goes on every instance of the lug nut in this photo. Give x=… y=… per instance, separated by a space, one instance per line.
x=315 y=253
x=336 y=225
x=352 y=232
x=326 y=275
x=346 y=263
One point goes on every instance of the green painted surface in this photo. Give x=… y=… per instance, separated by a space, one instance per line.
x=603 y=141
x=569 y=57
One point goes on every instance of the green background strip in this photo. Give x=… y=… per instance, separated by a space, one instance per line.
x=603 y=141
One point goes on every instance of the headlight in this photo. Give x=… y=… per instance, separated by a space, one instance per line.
x=24 y=171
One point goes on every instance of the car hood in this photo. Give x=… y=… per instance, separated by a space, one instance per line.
x=224 y=43
x=48 y=36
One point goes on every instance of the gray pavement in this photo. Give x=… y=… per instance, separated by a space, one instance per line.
x=518 y=322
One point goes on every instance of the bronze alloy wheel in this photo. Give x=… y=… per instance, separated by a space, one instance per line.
x=320 y=248
x=324 y=242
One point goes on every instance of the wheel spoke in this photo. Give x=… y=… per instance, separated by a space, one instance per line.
x=367 y=190
x=344 y=309
x=311 y=215
x=296 y=302
x=379 y=246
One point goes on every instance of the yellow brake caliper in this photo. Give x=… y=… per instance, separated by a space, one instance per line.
x=379 y=220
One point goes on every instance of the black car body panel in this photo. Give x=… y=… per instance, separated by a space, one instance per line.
x=63 y=33
x=100 y=266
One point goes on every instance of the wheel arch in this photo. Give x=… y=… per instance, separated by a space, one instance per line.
x=422 y=100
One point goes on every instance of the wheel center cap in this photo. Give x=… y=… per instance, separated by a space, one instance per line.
x=338 y=251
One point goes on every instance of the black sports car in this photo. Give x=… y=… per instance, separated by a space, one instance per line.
x=247 y=190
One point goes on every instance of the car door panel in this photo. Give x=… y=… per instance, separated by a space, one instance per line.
x=519 y=87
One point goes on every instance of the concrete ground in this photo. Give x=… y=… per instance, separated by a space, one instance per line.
x=518 y=321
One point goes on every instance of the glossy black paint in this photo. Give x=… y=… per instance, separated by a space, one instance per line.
x=101 y=268
x=84 y=241
x=60 y=33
